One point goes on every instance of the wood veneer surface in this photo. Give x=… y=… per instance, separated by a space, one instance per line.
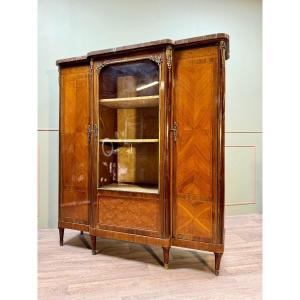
x=195 y=94
x=74 y=151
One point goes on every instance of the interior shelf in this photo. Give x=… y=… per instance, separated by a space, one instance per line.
x=129 y=140
x=137 y=188
x=131 y=102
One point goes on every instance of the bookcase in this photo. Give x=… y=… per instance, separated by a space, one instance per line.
x=142 y=144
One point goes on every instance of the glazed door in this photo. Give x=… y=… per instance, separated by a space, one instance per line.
x=194 y=151
x=128 y=164
x=74 y=145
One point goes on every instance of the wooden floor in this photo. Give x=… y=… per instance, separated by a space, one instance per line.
x=128 y=271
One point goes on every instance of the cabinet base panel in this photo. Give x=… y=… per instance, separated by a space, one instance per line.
x=75 y=226
x=218 y=248
x=147 y=240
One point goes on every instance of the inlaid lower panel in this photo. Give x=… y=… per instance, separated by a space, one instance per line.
x=131 y=213
x=193 y=219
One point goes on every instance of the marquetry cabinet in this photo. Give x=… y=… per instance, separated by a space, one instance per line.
x=141 y=152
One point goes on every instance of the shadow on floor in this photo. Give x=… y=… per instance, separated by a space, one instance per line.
x=179 y=258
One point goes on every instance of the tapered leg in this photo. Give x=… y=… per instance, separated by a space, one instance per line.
x=166 y=251
x=93 y=241
x=61 y=235
x=218 y=257
x=81 y=232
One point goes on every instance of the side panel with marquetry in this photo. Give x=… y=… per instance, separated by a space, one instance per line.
x=74 y=155
x=195 y=151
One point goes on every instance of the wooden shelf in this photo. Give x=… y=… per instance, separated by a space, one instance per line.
x=123 y=187
x=131 y=102
x=129 y=140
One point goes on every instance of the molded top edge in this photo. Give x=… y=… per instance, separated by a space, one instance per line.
x=176 y=44
x=131 y=47
x=75 y=59
x=205 y=39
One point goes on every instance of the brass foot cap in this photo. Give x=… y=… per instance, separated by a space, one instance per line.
x=217 y=273
x=166 y=266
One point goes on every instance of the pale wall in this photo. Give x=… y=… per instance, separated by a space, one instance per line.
x=75 y=27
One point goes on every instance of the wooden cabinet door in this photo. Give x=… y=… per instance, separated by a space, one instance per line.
x=195 y=99
x=74 y=145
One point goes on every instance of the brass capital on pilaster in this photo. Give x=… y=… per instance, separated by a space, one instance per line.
x=223 y=50
x=91 y=66
x=169 y=53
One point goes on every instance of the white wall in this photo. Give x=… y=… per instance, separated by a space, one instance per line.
x=75 y=27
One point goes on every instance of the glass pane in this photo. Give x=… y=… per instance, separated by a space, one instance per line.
x=134 y=79
x=129 y=127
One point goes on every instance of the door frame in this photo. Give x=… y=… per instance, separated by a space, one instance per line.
x=159 y=57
